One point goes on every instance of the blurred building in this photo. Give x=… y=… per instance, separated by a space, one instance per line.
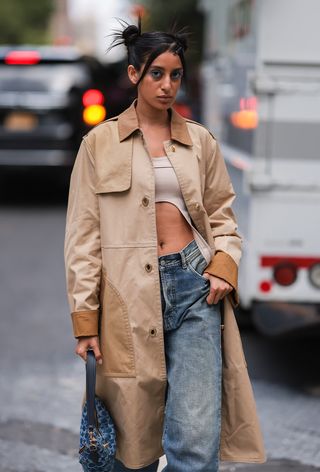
x=60 y=25
x=92 y=21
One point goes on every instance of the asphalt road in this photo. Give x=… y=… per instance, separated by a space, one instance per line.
x=43 y=381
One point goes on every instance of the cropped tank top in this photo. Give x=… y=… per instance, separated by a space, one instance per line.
x=167 y=189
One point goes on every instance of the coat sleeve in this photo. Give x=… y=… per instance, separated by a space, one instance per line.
x=218 y=197
x=82 y=248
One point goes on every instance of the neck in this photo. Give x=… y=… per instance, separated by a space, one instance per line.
x=148 y=115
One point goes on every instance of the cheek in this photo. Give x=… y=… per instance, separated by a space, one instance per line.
x=176 y=85
x=148 y=87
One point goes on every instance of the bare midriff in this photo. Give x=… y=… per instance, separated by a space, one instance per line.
x=173 y=230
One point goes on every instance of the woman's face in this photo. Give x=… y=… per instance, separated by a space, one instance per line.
x=161 y=82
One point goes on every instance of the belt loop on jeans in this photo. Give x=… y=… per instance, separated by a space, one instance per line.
x=183 y=259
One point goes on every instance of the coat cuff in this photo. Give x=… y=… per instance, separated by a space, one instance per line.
x=85 y=323
x=223 y=266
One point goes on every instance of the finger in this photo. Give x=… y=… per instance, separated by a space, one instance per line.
x=212 y=295
x=218 y=295
x=81 y=351
x=97 y=353
x=221 y=292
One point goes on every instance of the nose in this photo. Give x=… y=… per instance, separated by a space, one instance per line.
x=166 y=83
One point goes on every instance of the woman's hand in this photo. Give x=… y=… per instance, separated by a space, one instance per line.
x=219 y=288
x=88 y=342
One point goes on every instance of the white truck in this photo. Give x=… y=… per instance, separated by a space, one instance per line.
x=261 y=98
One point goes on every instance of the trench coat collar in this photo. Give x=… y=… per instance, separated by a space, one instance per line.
x=128 y=123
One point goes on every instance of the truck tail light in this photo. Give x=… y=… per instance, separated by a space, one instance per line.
x=314 y=275
x=285 y=273
x=265 y=286
x=285 y=268
x=94 y=110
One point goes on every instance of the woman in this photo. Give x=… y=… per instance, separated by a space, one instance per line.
x=151 y=252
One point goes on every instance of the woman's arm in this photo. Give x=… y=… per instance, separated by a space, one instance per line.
x=218 y=197
x=82 y=250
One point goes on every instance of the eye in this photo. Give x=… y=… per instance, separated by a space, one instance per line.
x=176 y=75
x=156 y=74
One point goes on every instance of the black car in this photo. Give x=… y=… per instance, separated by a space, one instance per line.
x=49 y=98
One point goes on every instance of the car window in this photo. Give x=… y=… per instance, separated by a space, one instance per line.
x=42 y=77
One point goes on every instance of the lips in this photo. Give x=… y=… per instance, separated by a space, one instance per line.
x=165 y=97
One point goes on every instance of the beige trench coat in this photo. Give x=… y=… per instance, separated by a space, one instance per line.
x=113 y=281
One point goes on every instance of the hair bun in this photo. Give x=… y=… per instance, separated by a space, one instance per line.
x=130 y=34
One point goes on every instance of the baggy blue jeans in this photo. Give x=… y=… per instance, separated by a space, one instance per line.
x=192 y=335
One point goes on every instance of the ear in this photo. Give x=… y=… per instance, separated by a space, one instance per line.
x=133 y=74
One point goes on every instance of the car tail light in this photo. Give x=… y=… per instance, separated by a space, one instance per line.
x=22 y=57
x=94 y=114
x=92 y=97
x=246 y=117
x=314 y=275
x=94 y=111
x=285 y=273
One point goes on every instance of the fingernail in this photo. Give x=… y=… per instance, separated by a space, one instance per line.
x=100 y=361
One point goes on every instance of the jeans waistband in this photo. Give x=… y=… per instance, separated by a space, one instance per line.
x=187 y=254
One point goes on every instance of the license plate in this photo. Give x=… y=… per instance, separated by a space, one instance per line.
x=20 y=121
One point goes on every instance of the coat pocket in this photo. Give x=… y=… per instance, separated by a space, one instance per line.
x=115 y=335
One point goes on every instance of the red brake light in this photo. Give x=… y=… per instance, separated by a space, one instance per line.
x=22 y=57
x=92 y=97
x=265 y=286
x=285 y=273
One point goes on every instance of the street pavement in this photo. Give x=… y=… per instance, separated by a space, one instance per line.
x=42 y=381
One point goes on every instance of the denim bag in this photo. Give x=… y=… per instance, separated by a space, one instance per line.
x=97 y=432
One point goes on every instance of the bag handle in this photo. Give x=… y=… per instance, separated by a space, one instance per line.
x=90 y=387
x=221 y=306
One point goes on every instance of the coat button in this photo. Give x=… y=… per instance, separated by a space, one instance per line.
x=153 y=331
x=173 y=148
x=148 y=267
x=145 y=201
x=197 y=206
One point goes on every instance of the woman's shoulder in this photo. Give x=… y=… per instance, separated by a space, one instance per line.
x=199 y=128
x=200 y=133
x=101 y=134
x=103 y=126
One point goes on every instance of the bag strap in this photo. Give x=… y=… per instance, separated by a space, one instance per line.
x=91 y=384
x=221 y=303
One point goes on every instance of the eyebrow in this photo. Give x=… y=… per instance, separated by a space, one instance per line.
x=162 y=68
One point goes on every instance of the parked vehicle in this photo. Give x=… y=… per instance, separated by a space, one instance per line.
x=261 y=97
x=49 y=99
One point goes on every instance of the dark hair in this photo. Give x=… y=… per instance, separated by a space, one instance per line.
x=145 y=47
